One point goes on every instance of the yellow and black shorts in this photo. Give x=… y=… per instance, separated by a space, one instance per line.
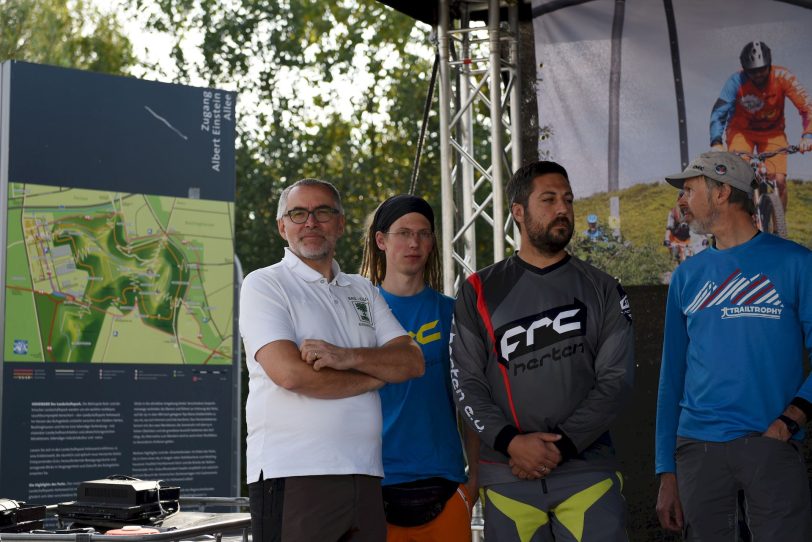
x=577 y=507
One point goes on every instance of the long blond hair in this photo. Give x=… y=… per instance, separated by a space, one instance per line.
x=373 y=263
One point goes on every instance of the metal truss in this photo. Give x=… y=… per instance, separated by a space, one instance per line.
x=479 y=83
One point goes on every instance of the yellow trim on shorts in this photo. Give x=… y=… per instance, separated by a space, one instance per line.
x=527 y=518
x=571 y=513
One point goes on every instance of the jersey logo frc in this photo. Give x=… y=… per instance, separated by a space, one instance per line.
x=740 y=297
x=538 y=331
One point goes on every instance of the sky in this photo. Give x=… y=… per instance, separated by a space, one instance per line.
x=154 y=48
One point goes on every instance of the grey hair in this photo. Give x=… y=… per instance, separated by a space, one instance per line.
x=283 y=198
x=737 y=196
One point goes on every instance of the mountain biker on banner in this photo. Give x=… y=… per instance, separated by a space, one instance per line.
x=593 y=232
x=679 y=239
x=750 y=111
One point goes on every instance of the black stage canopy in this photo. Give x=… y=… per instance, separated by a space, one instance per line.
x=427 y=10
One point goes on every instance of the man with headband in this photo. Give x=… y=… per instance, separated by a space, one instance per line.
x=425 y=498
x=542 y=359
x=318 y=343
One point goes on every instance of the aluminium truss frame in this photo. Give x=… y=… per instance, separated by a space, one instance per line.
x=472 y=186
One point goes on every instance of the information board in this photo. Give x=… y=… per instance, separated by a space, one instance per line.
x=118 y=336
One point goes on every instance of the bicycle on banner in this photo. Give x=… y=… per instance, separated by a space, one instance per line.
x=770 y=215
x=678 y=239
x=681 y=242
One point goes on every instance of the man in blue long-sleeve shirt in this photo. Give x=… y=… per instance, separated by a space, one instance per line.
x=732 y=395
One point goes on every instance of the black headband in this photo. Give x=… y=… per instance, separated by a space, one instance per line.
x=397 y=206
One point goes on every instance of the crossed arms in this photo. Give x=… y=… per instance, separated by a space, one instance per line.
x=322 y=370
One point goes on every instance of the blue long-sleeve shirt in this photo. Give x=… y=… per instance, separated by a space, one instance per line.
x=735 y=327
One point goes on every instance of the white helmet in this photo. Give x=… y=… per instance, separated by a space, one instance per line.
x=755 y=55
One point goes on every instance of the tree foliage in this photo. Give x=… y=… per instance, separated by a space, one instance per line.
x=283 y=56
x=63 y=33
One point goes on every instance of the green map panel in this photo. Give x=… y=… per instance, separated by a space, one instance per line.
x=107 y=277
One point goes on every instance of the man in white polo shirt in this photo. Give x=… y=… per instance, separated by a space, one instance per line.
x=318 y=344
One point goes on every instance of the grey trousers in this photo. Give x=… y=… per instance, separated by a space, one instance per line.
x=772 y=475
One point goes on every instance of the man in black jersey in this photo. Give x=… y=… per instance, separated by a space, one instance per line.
x=542 y=362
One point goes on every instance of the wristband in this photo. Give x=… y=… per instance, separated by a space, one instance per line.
x=804 y=405
x=791 y=424
x=806 y=136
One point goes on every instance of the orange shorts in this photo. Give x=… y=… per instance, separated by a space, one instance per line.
x=746 y=141
x=452 y=525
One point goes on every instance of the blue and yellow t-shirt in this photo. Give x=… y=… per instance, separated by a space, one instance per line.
x=420 y=437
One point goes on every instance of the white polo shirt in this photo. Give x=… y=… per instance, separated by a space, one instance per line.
x=290 y=434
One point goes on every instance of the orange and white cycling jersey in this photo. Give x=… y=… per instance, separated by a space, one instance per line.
x=744 y=107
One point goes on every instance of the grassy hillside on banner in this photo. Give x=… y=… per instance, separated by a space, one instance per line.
x=639 y=257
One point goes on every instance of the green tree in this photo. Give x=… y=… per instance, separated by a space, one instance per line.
x=274 y=52
x=63 y=33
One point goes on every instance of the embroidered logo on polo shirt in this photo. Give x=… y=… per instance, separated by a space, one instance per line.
x=740 y=297
x=361 y=306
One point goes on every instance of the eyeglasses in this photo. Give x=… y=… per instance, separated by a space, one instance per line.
x=407 y=235
x=321 y=214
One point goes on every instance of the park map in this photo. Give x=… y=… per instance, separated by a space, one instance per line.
x=108 y=277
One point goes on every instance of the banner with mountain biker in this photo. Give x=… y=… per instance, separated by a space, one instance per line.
x=749 y=113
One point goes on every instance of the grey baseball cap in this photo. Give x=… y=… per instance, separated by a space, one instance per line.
x=721 y=166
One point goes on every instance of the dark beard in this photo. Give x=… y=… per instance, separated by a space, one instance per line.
x=548 y=242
